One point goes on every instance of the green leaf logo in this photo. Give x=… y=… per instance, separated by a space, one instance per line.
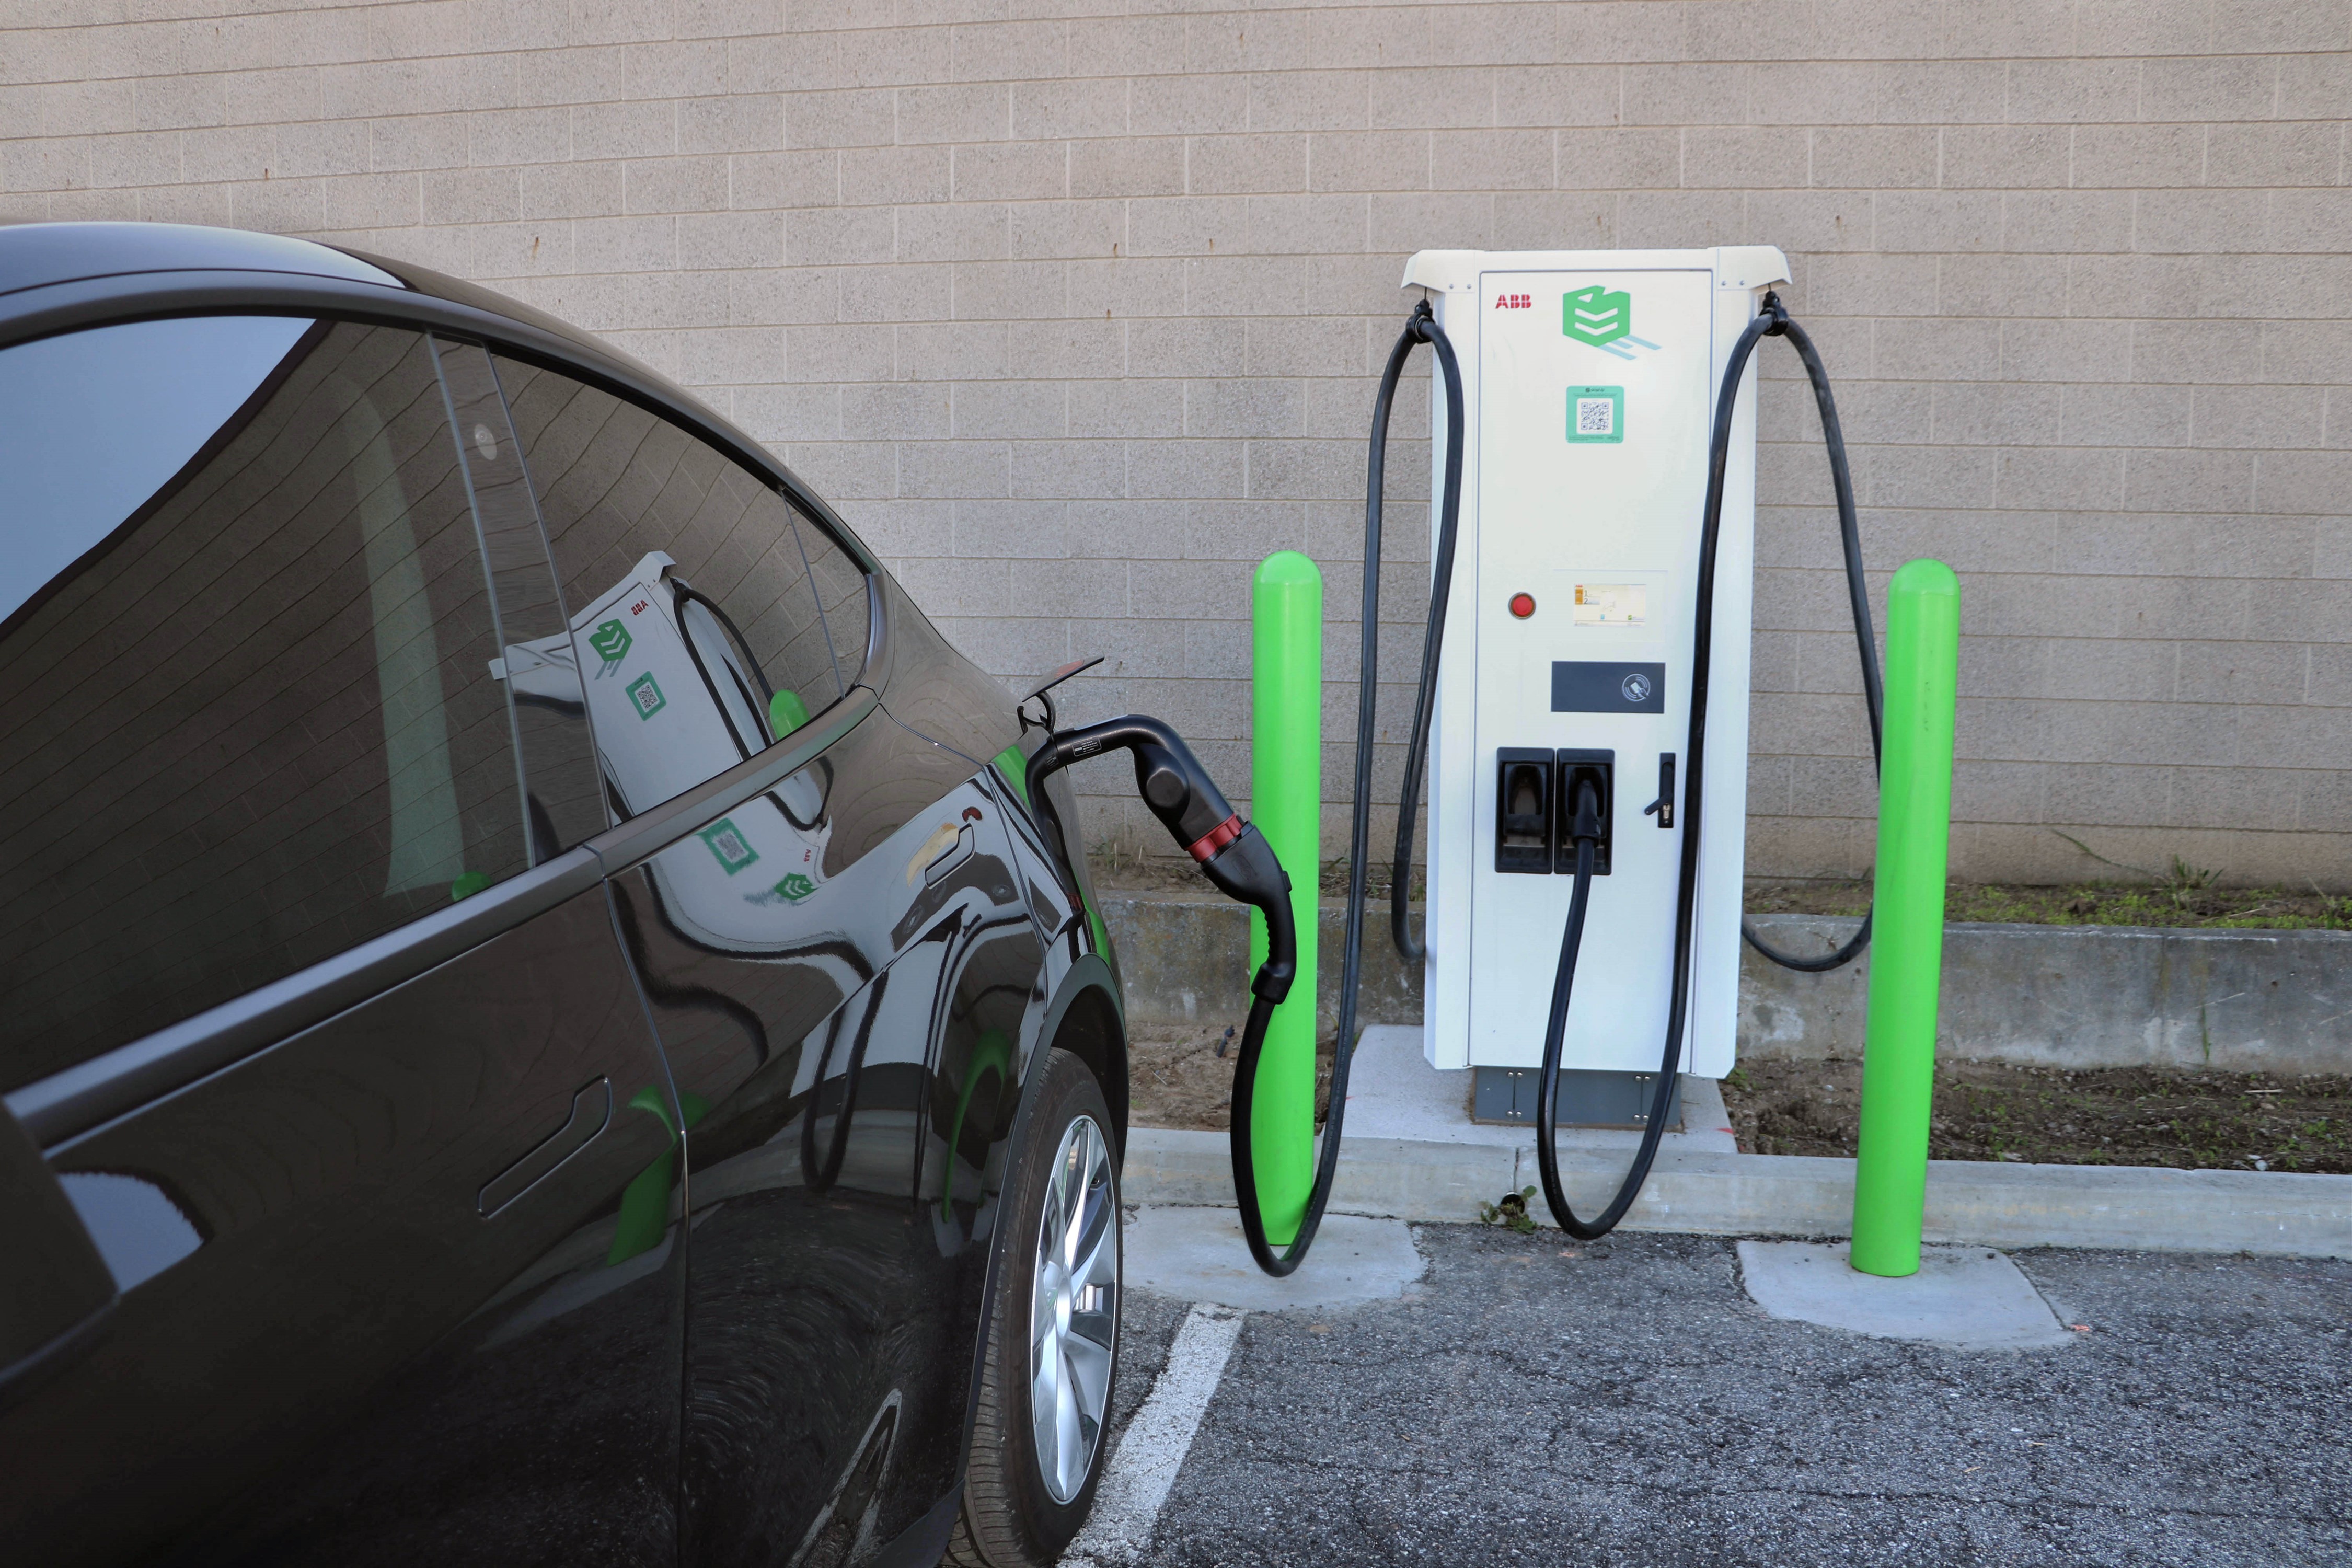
x=611 y=642
x=1596 y=315
x=796 y=888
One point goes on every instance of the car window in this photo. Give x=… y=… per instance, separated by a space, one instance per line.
x=248 y=711
x=709 y=618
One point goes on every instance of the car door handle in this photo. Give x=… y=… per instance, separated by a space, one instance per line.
x=591 y=1108
x=953 y=856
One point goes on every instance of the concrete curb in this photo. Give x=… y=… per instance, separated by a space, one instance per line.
x=1700 y=1193
x=2074 y=996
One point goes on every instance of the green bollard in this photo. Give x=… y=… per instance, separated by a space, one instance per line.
x=1287 y=804
x=1906 y=943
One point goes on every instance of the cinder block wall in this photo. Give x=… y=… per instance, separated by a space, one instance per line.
x=1077 y=317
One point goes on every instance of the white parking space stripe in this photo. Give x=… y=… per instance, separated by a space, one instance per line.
x=1142 y=1469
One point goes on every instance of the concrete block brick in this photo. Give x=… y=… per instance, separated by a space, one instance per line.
x=954 y=350
x=2271 y=418
x=1815 y=221
x=1874 y=157
x=742 y=357
x=570 y=190
x=2006 y=157
x=1254 y=407
x=751 y=122
x=1306 y=347
x=1305 y=470
x=678 y=67
x=516 y=135
x=1009 y=172
x=2078 y=91
x=1735 y=29
x=2195 y=350
x=693 y=184
x=1671 y=219
x=1186 y=226
x=888 y=176
x=1986 y=285
x=2118 y=157
x=1239 y=164
x=1127 y=409
x=862 y=117
x=2295 y=153
x=905 y=411
x=1550 y=96
x=1492 y=160
x=956 y=469
x=1118 y=530
x=1181 y=348
x=1125 y=286
x=839 y=237
x=1007 y=50
x=762 y=180
x=1010 y=410
x=167 y=203
x=472 y=195
x=846 y=352
x=1547 y=220
x=1127 y=167
x=1869 y=284
x=1120 y=46
x=1245 y=286
x=2197 y=221
x=1917 y=349
x=1309 y=225
x=2312 y=86
x=1936 y=222
x=2065 y=351
x=2119 y=28
x=372 y=201
x=1308 y=101
x=1707 y=93
x=2233 y=545
x=624 y=130
x=951 y=587
x=2066 y=220
x=2309 y=220
x=423 y=140
x=730 y=239
x=1617 y=160
x=1242 y=533
x=2060 y=478
x=234 y=153
x=1401 y=224
x=1068 y=350
x=1045 y=111
x=1188 y=105
x=1433 y=97
x=1090 y=589
x=278 y=206
x=2118 y=415
x=896 y=292
x=1068 y=230
x=2216 y=88
x=2304 y=482
x=780 y=414
x=871 y=57
x=2119 y=670
x=979 y=231
x=1068 y=469
x=788 y=63
x=1184 y=470
x=1009 y=291
x=1010 y=530
x=178 y=103
x=1744 y=157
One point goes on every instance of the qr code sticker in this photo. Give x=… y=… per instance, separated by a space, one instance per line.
x=1596 y=416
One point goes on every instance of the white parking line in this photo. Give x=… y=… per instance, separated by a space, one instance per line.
x=1137 y=1481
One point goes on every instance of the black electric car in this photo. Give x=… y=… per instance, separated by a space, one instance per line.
x=541 y=1023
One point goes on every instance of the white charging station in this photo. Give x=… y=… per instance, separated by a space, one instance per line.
x=1589 y=390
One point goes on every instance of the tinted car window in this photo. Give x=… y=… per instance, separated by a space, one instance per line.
x=248 y=707
x=709 y=618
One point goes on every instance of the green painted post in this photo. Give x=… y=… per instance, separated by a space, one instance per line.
x=1287 y=804
x=1906 y=943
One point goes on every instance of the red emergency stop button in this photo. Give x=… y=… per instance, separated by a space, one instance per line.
x=1523 y=605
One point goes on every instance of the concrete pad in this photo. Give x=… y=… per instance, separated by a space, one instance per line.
x=1965 y=1297
x=1199 y=1254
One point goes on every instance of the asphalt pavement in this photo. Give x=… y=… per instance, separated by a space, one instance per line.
x=1532 y=1400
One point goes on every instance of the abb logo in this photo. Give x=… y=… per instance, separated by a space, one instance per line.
x=639 y=608
x=1514 y=301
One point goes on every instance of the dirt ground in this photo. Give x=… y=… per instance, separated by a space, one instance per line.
x=1179 y=1080
x=2115 y=1116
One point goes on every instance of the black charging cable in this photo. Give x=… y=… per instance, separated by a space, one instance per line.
x=1774 y=322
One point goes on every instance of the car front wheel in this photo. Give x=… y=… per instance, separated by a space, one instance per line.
x=1053 y=1336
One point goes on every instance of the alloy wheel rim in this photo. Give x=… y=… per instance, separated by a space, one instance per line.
x=1073 y=1309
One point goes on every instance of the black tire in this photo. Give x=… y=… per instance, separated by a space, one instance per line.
x=1010 y=1517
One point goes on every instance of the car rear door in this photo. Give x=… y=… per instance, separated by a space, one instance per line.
x=315 y=999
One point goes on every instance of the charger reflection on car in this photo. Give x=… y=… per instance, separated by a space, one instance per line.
x=668 y=685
